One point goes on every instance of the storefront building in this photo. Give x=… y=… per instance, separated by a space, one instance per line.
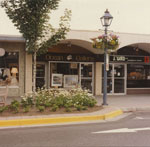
x=15 y=65
x=74 y=62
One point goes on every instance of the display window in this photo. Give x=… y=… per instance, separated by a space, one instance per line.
x=64 y=75
x=9 y=69
x=138 y=76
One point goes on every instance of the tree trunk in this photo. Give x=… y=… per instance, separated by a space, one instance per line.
x=34 y=72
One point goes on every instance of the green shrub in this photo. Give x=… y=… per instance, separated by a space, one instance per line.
x=92 y=103
x=27 y=102
x=58 y=98
x=14 y=106
x=41 y=108
x=26 y=109
x=48 y=104
x=78 y=107
x=54 y=108
x=84 y=108
x=3 y=108
x=68 y=109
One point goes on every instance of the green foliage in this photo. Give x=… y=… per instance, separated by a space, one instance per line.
x=92 y=103
x=78 y=107
x=3 y=108
x=54 y=108
x=26 y=109
x=68 y=109
x=31 y=17
x=25 y=102
x=41 y=108
x=60 y=98
x=84 y=108
x=14 y=106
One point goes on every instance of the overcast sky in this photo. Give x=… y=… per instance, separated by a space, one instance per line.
x=130 y=16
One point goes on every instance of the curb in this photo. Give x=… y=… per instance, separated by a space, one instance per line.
x=57 y=120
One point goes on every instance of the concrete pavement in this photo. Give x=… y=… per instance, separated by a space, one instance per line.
x=117 y=104
x=127 y=103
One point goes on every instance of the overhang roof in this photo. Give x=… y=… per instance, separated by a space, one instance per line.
x=11 y=38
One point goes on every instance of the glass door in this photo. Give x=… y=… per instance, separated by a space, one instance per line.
x=116 y=83
x=40 y=75
x=86 y=76
x=119 y=78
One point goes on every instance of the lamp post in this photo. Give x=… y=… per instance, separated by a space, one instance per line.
x=106 y=20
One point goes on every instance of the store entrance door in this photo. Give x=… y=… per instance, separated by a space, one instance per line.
x=116 y=83
x=119 y=78
x=86 y=76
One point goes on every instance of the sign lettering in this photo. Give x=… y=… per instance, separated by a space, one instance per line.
x=119 y=58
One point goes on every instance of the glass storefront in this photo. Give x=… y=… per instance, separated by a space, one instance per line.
x=9 y=68
x=87 y=76
x=121 y=77
x=138 y=76
x=66 y=75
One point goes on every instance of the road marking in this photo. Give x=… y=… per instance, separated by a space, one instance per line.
x=141 y=118
x=122 y=130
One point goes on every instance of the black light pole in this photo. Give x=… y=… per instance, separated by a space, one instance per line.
x=106 y=20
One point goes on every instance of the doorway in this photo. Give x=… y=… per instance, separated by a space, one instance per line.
x=116 y=79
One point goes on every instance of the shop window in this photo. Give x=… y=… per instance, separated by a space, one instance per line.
x=64 y=74
x=9 y=69
x=138 y=76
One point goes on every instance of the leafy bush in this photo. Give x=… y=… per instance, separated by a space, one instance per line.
x=41 y=108
x=26 y=109
x=78 y=107
x=3 y=108
x=28 y=101
x=59 y=98
x=84 y=108
x=54 y=108
x=14 y=106
x=68 y=109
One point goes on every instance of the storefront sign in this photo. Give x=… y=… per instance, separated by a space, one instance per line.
x=146 y=59
x=93 y=58
x=121 y=58
x=2 y=52
x=67 y=57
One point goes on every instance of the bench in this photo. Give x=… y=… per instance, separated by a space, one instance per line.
x=3 y=95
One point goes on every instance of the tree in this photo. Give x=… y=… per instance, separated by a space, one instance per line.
x=31 y=17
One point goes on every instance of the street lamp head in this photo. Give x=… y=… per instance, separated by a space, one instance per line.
x=106 y=19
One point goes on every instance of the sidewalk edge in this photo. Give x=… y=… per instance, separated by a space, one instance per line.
x=58 y=120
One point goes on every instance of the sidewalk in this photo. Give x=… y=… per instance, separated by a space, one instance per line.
x=140 y=102
x=116 y=106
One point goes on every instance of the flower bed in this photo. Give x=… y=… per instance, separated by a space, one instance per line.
x=52 y=100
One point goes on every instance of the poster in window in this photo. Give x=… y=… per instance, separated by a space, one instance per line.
x=73 y=65
x=56 y=79
x=70 y=80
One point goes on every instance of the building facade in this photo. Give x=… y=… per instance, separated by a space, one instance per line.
x=74 y=62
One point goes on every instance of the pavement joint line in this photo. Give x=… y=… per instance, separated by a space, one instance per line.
x=58 y=120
